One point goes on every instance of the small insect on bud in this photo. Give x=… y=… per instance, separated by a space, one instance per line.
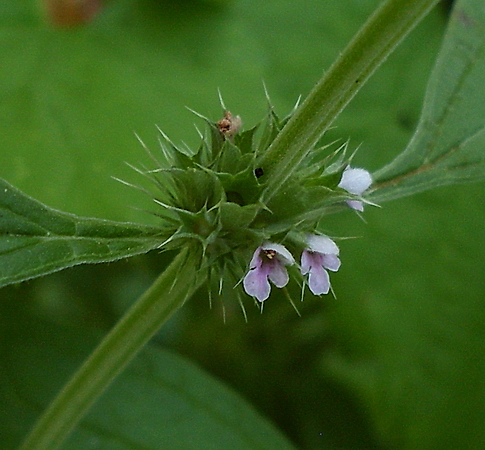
x=229 y=125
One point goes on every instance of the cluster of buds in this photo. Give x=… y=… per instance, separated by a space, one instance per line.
x=213 y=198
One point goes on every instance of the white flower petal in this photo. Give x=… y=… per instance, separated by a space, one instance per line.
x=283 y=254
x=322 y=244
x=355 y=180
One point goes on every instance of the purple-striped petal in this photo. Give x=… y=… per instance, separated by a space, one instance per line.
x=319 y=281
x=268 y=263
x=321 y=253
x=331 y=262
x=256 y=284
x=356 y=205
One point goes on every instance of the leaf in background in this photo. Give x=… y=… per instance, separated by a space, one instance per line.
x=409 y=319
x=161 y=401
x=36 y=240
x=449 y=144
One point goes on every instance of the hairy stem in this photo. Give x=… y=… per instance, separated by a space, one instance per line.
x=380 y=35
x=168 y=293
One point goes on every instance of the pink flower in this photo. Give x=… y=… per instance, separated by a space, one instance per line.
x=268 y=263
x=321 y=254
x=355 y=181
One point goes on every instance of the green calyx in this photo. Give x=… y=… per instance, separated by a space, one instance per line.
x=213 y=196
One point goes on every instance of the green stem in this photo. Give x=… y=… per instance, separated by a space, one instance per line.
x=169 y=291
x=380 y=35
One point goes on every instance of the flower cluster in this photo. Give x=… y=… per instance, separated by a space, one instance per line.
x=217 y=198
x=321 y=253
x=270 y=260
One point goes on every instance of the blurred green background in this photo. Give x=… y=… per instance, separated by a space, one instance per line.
x=396 y=359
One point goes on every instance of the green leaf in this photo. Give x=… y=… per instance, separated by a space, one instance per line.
x=448 y=145
x=161 y=401
x=36 y=240
x=409 y=321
